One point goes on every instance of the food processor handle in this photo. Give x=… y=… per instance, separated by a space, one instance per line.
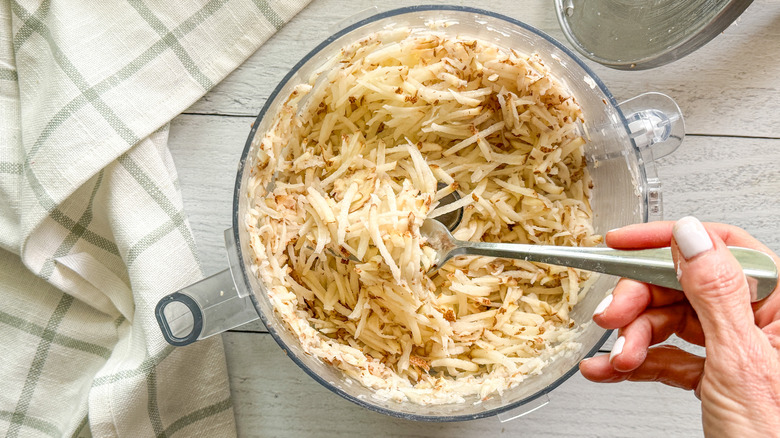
x=655 y=123
x=206 y=308
x=656 y=128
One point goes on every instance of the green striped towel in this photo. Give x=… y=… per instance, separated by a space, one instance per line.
x=92 y=231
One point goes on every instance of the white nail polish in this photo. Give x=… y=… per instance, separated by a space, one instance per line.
x=691 y=237
x=603 y=305
x=617 y=348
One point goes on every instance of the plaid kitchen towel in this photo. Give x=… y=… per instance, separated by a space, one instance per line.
x=92 y=231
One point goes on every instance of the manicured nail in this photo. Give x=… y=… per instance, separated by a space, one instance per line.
x=617 y=348
x=691 y=237
x=603 y=305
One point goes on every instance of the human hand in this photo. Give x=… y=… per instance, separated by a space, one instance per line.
x=738 y=381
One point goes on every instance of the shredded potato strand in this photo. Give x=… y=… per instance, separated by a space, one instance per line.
x=356 y=155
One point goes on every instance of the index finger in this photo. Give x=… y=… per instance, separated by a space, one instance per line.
x=659 y=234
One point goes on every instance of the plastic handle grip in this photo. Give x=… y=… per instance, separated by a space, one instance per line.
x=203 y=309
x=206 y=308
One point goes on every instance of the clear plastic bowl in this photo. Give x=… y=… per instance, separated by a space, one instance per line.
x=622 y=142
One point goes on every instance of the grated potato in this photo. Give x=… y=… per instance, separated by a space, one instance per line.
x=355 y=156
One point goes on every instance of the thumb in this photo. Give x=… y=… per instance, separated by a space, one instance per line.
x=713 y=282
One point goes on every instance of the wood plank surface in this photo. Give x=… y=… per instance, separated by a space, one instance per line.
x=727 y=87
x=274 y=398
x=725 y=171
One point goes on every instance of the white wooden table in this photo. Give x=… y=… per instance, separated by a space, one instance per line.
x=725 y=171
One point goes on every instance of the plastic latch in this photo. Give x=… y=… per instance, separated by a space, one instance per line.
x=654 y=122
x=654 y=199
x=525 y=409
x=649 y=127
x=568 y=8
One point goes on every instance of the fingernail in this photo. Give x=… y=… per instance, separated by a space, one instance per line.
x=617 y=348
x=691 y=237
x=603 y=305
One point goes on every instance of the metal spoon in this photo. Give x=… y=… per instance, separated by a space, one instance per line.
x=452 y=219
x=653 y=266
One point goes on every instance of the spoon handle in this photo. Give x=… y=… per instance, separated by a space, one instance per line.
x=653 y=266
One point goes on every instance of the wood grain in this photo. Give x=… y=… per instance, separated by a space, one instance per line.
x=274 y=398
x=727 y=87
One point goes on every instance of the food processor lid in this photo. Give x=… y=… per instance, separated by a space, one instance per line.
x=641 y=34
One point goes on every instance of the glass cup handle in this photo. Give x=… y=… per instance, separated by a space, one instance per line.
x=205 y=308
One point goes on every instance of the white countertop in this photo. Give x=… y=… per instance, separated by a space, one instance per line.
x=727 y=170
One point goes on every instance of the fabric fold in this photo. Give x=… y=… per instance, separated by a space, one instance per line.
x=92 y=227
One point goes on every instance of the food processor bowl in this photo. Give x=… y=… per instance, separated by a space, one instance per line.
x=623 y=140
